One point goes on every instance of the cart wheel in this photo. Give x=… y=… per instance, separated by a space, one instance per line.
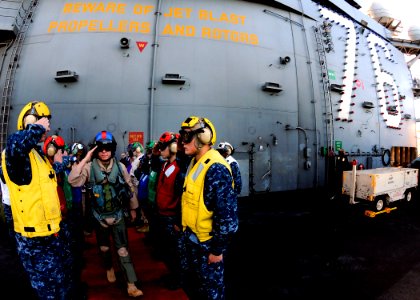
x=408 y=195
x=379 y=204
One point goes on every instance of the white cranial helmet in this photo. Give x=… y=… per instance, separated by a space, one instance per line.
x=226 y=147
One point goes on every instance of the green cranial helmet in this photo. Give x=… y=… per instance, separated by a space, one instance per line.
x=150 y=145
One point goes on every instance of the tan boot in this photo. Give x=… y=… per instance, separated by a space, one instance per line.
x=133 y=291
x=110 y=275
x=144 y=228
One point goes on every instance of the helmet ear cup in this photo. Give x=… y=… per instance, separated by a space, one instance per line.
x=29 y=119
x=205 y=136
x=228 y=150
x=173 y=147
x=51 y=150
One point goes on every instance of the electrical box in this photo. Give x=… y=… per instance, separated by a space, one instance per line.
x=307 y=152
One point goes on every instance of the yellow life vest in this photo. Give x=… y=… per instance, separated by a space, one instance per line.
x=195 y=214
x=35 y=207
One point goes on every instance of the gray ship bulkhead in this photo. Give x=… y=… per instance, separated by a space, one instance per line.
x=281 y=82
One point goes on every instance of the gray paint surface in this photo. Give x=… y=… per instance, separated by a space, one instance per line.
x=224 y=80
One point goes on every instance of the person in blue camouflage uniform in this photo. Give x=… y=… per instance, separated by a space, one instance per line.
x=43 y=250
x=7 y=210
x=209 y=212
x=227 y=150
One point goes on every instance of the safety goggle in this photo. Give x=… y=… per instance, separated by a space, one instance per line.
x=162 y=146
x=54 y=143
x=187 y=136
x=77 y=148
x=39 y=117
x=105 y=147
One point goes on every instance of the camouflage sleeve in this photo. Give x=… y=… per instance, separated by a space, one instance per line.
x=220 y=198
x=236 y=177
x=20 y=143
x=18 y=146
x=63 y=166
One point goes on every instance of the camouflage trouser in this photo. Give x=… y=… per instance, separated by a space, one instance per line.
x=48 y=262
x=200 y=280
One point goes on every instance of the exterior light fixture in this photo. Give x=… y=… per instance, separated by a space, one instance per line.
x=368 y=104
x=66 y=76
x=336 y=88
x=272 y=87
x=284 y=60
x=124 y=43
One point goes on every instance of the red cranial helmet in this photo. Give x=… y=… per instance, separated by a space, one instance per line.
x=52 y=144
x=168 y=139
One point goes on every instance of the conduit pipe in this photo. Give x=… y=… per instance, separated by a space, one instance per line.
x=155 y=45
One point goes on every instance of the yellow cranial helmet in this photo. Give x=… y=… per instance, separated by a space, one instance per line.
x=206 y=133
x=31 y=112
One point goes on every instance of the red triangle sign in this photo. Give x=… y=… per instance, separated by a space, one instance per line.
x=141 y=45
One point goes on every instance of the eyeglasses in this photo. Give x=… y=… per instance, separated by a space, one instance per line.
x=187 y=136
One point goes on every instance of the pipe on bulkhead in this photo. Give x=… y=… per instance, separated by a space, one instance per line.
x=73 y=134
x=307 y=160
x=251 y=153
x=155 y=45
x=268 y=173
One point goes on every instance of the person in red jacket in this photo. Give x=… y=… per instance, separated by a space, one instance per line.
x=71 y=209
x=52 y=145
x=168 y=203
